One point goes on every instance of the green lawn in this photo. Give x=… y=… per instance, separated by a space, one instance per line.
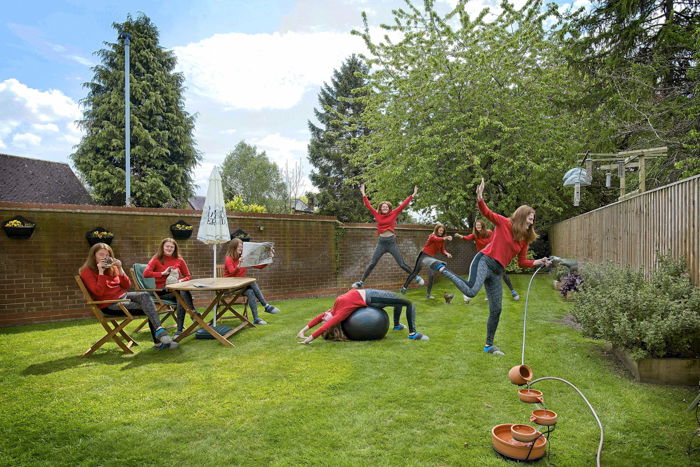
x=269 y=401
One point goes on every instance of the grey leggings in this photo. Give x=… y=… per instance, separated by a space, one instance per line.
x=384 y=298
x=254 y=295
x=139 y=301
x=385 y=245
x=484 y=271
x=180 y=311
x=416 y=270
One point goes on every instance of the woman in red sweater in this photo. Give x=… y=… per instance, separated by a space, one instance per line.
x=232 y=268
x=104 y=277
x=386 y=223
x=350 y=301
x=434 y=245
x=511 y=237
x=482 y=237
x=167 y=266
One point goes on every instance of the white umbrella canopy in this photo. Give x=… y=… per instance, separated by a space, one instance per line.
x=213 y=226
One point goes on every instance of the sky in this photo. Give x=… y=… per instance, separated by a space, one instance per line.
x=253 y=69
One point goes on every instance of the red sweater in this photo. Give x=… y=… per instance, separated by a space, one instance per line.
x=480 y=242
x=342 y=308
x=386 y=221
x=231 y=268
x=502 y=247
x=105 y=287
x=155 y=268
x=434 y=245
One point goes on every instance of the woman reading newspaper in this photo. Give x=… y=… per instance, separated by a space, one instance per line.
x=235 y=265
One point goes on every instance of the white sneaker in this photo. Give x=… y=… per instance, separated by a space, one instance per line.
x=466 y=299
x=420 y=280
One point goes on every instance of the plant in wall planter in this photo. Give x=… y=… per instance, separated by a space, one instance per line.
x=18 y=227
x=181 y=230
x=99 y=235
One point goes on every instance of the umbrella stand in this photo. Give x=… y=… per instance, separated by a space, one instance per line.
x=215 y=306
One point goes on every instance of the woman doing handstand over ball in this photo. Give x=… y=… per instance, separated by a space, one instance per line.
x=482 y=237
x=354 y=299
x=386 y=223
x=511 y=238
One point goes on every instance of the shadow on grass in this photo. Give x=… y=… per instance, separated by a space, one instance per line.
x=109 y=357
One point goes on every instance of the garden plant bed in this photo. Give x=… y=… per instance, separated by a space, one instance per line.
x=676 y=371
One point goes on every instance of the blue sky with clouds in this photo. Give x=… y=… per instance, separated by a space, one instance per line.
x=253 y=69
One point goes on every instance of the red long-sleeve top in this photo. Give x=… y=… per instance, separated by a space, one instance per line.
x=503 y=248
x=342 y=308
x=232 y=268
x=386 y=221
x=155 y=268
x=480 y=242
x=105 y=286
x=434 y=245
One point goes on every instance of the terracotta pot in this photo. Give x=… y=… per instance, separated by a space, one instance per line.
x=544 y=417
x=503 y=443
x=520 y=374
x=524 y=433
x=531 y=396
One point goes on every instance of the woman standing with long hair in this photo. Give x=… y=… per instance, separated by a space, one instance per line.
x=511 y=238
x=105 y=278
x=232 y=268
x=386 y=224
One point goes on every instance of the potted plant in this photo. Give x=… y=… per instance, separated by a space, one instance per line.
x=99 y=235
x=181 y=230
x=18 y=227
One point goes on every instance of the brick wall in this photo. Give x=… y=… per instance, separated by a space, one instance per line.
x=314 y=255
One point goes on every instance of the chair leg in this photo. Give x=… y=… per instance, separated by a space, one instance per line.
x=112 y=334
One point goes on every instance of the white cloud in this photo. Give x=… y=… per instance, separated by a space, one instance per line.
x=45 y=127
x=263 y=71
x=45 y=106
x=24 y=140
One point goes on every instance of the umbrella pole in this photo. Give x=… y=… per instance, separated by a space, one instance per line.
x=215 y=306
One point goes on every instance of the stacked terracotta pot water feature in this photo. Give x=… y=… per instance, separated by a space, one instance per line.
x=519 y=441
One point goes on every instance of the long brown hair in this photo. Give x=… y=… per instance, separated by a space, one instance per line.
x=232 y=250
x=518 y=221
x=335 y=333
x=435 y=230
x=91 y=262
x=161 y=252
x=480 y=234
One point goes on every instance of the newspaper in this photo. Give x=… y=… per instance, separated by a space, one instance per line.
x=255 y=254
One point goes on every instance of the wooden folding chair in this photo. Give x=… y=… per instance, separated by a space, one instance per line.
x=114 y=325
x=241 y=300
x=165 y=308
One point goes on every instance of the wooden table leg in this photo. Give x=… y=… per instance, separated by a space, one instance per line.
x=199 y=320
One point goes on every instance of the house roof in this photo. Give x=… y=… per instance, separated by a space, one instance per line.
x=197 y=202
x=298 y=205
x=25 y=180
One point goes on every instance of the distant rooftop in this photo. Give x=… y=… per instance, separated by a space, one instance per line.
x=25 y=180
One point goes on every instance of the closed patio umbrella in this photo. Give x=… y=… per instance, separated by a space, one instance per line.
x=213 y=226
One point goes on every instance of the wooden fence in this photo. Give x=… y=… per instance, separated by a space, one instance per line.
x=634 y=231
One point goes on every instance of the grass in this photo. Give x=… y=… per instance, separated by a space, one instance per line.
x=269 y=401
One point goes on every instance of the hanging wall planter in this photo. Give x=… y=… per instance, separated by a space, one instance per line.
x=242 y=234
x=181 y=230
x=99 y=235
x=18 y=227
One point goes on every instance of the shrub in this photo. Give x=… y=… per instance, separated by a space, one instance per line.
x=651 y=319
x=513 y=266
x=570 y=283
x=238 y=205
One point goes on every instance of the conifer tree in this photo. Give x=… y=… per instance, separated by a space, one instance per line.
x=163 y=152
x=335 y=139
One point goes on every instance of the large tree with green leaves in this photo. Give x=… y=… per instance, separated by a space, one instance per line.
x=641 y=60
x=458 y=98
x=163 y=153
x=335 y=139
x=252 y=176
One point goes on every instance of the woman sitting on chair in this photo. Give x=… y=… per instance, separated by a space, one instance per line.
x=168 y=267
x=233 y=268
x=104 y=277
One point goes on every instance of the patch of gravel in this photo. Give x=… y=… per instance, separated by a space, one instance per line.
x=570 y=321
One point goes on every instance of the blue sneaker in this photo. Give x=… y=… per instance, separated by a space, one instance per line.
x=419 y=280
x=399 y=327
x=434 y=264
x=493 y=350
x=515 y=295
x=417 y=336
x=163 y=336
x=403 y=290
x=357 y=285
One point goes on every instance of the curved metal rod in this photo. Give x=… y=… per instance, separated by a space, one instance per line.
x=595 y=415
x=527 y=299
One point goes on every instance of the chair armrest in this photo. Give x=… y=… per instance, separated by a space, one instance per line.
x=101 y=302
